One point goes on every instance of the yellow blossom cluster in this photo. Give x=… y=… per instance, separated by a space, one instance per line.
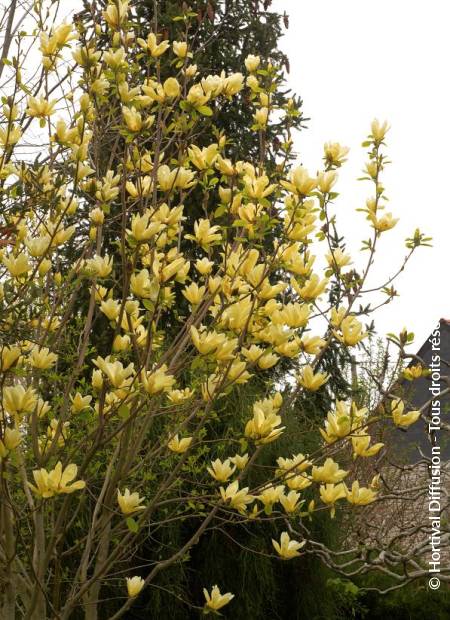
x=148 y=274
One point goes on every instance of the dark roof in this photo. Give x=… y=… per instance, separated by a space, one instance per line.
x=417 y=393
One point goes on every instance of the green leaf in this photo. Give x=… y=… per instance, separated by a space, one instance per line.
x=220 y=211
x=205 y=110
x=124 y=412
x=132 y=525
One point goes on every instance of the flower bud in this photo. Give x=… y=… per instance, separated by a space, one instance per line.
x=252 y=63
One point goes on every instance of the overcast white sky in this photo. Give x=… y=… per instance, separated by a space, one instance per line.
x=351 y=61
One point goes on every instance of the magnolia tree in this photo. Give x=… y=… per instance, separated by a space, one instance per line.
x=105 y=441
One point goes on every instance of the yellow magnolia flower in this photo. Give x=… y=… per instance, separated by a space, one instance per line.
x=122 y=343
x=271 y=495
x=204 y=266
x=42 y=408
x=144 y=187
x=194 y=294
x=360 y=495
x=52 y=430
x=142 y=285
x=329 y=472
x=360 y=444
x=83 y=171
x=42 y=358
x=298 y=463
x=340 y=423
x=258 y=187
x=11 y=439
x=236 y=498
x=111 y=308
x=236 y=372
x=56 y=481
x=293 y=315
x=225 y=166
x=261 y=117
x=204 y=233
x=275 y=335
x=312 y=288
x=330 y=494
x=134 y=585
x=79 y=402
x=196 y=96
x=267 y=361
x=203 y=158
x=225 y=352
x=116 y=13
x=213 y=85
x=385 y=222
x=232 y=84
x=100 y=86
x=179 y=268
x=298 y=482
x=379 y=130
x=338 y=259
x=326 y=180
x=206 y=342
x=336 y=316
x=351 y=331
x=221 y=471
x=129 y=502
x=118 y=376
x=209 y=387
x=372 y=169
x=155 y=49
x=172 y=88
x=132 y=118
x=290 y=502
x=375 y=484
x=99 y=266
x=253 y=353
x=157 y=380
x=252 y=63
x=18 y=400
x=216 y=600
x=179 y=396
x=179 y=445
x=300 y=182
x=9 y=135
x=264 y=427
x=335 y=153
x=287 y=548
x=38 y=246
x=60 y=234
x=180 y=49
x=17 y=265
x=399 y=416
x=311 y=381
x=240 y=460
x=312 y=344
x=9 y=355
x=180 y=177
x=40 y=107
x=252 y=82
x=413 y=372
x=115 y=58
x=97 y=217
